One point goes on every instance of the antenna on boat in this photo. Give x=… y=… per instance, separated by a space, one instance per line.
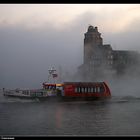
x=52 y=75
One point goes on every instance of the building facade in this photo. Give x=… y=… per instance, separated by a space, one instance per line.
x=100 y=60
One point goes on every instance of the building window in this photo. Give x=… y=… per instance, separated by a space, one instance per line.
x=111 y=56
x=111 y=62
x=109 y=52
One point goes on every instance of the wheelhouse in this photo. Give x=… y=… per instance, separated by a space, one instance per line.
x=49 y=86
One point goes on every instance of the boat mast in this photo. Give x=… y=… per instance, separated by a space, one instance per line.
x=52 y=75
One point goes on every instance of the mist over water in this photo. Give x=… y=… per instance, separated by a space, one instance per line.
x=34 y=40
x=116 y=116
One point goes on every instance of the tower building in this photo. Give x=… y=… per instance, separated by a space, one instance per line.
x=101 y=61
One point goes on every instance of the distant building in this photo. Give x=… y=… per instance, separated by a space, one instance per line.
x=100 y=60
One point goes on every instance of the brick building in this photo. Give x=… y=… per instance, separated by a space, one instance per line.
x=100 y=60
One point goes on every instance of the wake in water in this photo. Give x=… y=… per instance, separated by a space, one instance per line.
x=123 y=99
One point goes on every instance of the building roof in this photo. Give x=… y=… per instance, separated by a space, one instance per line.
x=107 y=47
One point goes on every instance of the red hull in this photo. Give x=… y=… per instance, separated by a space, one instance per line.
x=86 y=89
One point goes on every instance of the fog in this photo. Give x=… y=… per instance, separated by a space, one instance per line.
x=128 y=83
x=26 y=55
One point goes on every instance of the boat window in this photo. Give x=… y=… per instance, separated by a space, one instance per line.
x=95 y=89
x=102 y=89
x=80 y=90
x=98 y=89
x=92 y=89
x=89 y=90
x=85 y=89
x=51 y=87
x=76 y=89
x=54 y=87
x=25 y=92
x=60 y=88
x=41 y=93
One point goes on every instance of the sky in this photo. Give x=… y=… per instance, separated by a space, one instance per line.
x=35 y=37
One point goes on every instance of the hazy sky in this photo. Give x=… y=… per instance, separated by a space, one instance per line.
x=34 y=37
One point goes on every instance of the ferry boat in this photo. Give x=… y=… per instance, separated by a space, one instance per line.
x=83 y=90
x=64 y=90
